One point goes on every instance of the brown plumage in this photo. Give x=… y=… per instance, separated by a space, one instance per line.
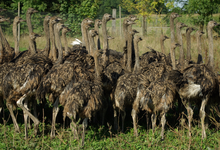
x=85 y=98
x=21 y=82
x=157 y=98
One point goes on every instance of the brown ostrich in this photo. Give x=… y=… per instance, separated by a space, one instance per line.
x=162 y=39
x=85 y=98
x=157 y=98
x=172 y=17
x=179 y=26
x=125 y=92
x=29 y=12
x=66 y=48
x=199 y=46
x=105 y=56
x=202 y=85
x=97 y=24
x=46 y=50
x=189 y=30
x=21 y=82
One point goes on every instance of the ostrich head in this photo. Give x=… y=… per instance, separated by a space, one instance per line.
x=175 y=45
x=212 y=24
x=88 y=21
x=190 y=30
x=137 y=38
x=2 y=19
x=132 y=17
x=164 y=37
x=174 y=15
x=47 y=18
x=66 y=29
x=33 y=36
x=128 y=22
x=54 y=20
x=199 y=33
x=93 y=32
x=98 y=22
x=133 y=32
x=180 y=25
x=108 y=17
x=59 y=26
x=31 y=11
x=18 y=20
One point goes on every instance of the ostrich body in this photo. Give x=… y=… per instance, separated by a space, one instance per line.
x=21 y=82
x=85 y=98
x=199 y=46
x=97 y=24
x=157 y=98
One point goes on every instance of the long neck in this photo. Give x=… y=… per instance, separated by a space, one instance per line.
x=65 y=42
x=199 y=48
x=1 y=49
x=137 y=63
x=125 y=31
x=97 y=71
x=86 y=39
x=47 y=33
x=52 y=39
x=28 y=19
x=162 y=46
x=97 y=40
x=32 y=45
x=83 y=33
x=59 y=45
x=188 y=40
x=15 y=33
x=92 y=45
x=180 y=40
x=211 y=52
x=4 y=40
x=173 y=59
x=172 y=30
x=129 y=50
x=104 y=33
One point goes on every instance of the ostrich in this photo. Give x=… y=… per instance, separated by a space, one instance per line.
x=21 y=82
x=105 y=56
x=4 y=58
x=85 y=98
x=125 y=91
x=172 y=17
x=97 y=24
x=162 y=39
x=202 y=85
x=179 y=26
x=189 y=30
x=67 y=49
x=199 y=46
x=46 y=50
x=158 y=97
x=29 y=12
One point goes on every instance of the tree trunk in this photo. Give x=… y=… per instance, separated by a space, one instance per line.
x=114 y=21
x=144 y=26
x=120 y=21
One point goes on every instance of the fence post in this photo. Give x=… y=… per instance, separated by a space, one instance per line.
x=114 y=21
x=120 y=21
x=18 y=23
x=144 y=30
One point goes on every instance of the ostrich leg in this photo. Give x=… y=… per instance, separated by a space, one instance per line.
x=55 y=112
x=26 y=118
x=85 y=124
x=134 y=117
x=202 y=115
x=35 y=120
x=9 y=106
x=153 y=120
x=190 y=114
x=123 y=115
x=163 y=122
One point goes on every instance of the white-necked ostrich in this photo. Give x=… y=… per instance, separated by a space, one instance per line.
x=202 y=85
x=158 y=97
x=97 y=24
x=199 y=46
x=85 y=98
x=21 y=82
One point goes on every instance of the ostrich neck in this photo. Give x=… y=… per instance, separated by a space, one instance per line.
x=188 y=40
x=59 y=45
x=129 y=50
x=28 y=19
x=199 y=45
x=181 y=57
x=173 y=59
x=97 y=37
x=125 y=32
x=85 y=35
x=172 y=30
x=83 y=32
x=47 y=33
x=52 y=39
x=92 y=45
x=1 y=49
x=104 y=33
x=65 y=42
x=15 y=33
x=32 y=45
x=162 y=46
x=211 y=52
x=4 y=41
x=137 y=64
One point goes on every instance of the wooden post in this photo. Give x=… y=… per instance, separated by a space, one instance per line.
x=120 y=21
x=19 y=23
x=144 y=31
x=114 y=21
